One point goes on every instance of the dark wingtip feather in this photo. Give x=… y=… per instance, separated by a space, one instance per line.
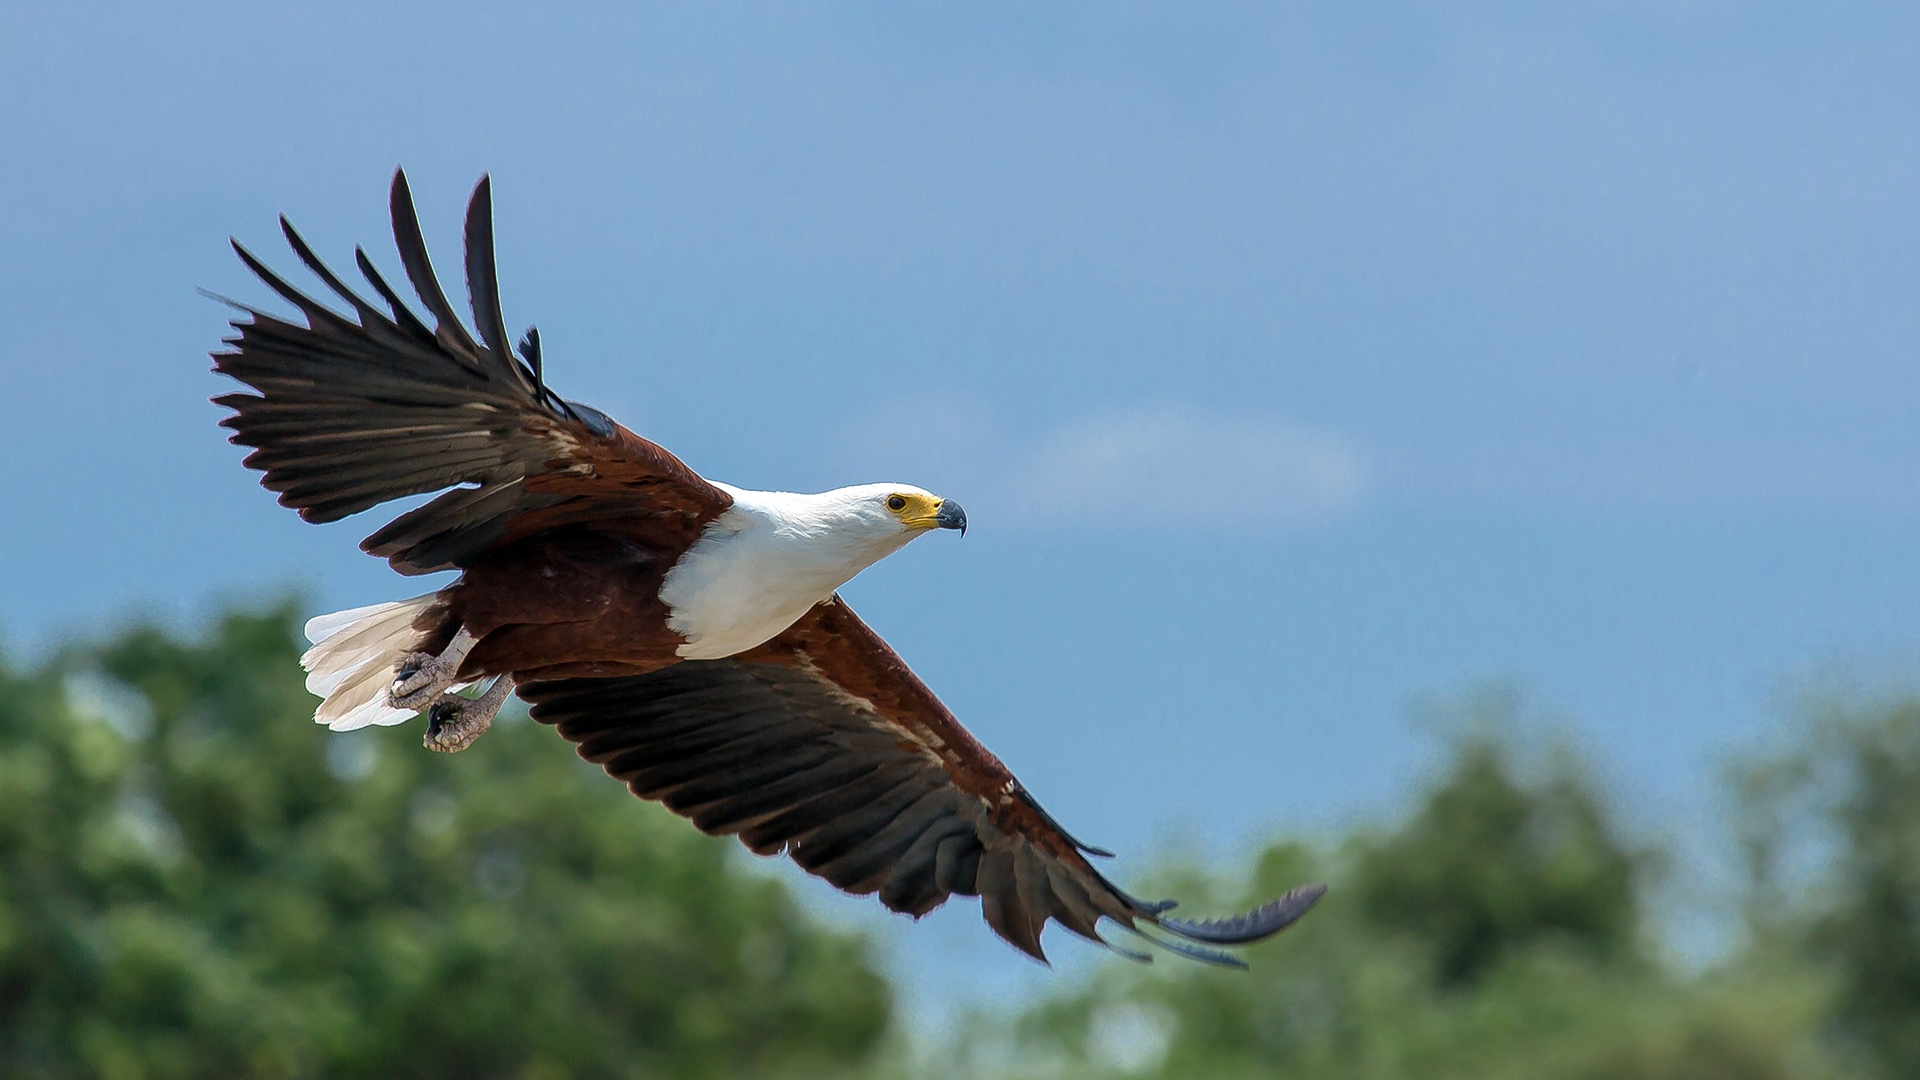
x=368 y=316
x=403 y=316
x=314 y=311
x=419 y=267
x=224 y=299
x=1256 y=925
x=593 y=419
x=1195 y=952
x=400 y=190
x=1125 y=953
x=1083 y=847
x=483 y=288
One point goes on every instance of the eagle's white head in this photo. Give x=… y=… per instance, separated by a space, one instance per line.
x=775 y=554
x=873 y=513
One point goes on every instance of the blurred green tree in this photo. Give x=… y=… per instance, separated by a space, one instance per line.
x=195 y=880
x=1493 y=934
x=1832 y=835
x=1494 y=862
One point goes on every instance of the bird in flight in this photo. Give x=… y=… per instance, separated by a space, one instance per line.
x=684 y=634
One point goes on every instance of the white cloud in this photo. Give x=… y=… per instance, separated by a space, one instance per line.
x=1164 y=469
x=1175 y=467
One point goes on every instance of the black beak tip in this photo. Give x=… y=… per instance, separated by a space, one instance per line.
x=952 y=517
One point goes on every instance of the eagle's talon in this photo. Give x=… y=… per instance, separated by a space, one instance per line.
x=454 y=722
x=451 y=725
x=418 y=680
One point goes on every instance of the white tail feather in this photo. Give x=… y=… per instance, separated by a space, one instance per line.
x=353 y=658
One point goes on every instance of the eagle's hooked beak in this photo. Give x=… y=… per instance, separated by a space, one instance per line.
x=951 y=516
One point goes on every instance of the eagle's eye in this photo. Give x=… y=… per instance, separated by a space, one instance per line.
x=896 y=503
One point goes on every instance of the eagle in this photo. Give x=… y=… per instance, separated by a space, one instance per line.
x=684 y=634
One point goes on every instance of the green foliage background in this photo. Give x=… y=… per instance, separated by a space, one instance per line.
x=199 y=881
x=195 y=880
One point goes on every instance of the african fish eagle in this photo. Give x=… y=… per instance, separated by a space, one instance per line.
x=685 y=634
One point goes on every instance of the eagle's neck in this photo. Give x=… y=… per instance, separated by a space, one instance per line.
x=767 y=560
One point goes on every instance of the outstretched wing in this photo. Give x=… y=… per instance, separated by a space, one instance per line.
x=823 y=744
x=348 y=413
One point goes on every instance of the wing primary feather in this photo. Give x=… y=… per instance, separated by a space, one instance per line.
x=1193 y=952
x=1084 y=848
x=956 y=864
x=1148 y=907
x=1124 y=952
x=596 y=421
x=222 y=298
x=1000 y=902
x=370 y=316
x=1256 y=925
x=1072 y=906
x=483 y=285
x=911 y=886
x=530 y=350
x=402 y=314
x=413 y=256
x=1035 y=892
x=315 y=311
x=531 y=355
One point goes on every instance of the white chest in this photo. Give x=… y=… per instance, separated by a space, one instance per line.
x=752 y=575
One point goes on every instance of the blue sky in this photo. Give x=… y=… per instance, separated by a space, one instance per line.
x=1296 y=363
